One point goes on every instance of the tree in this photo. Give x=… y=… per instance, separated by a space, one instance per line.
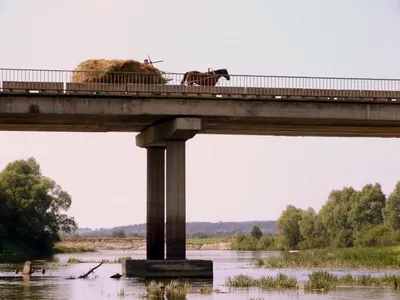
x=368 y=207
x=335 y=217
x=392 y=209
x=288 y=227
x=32 y=208
x=256 y=232
x=120 y=234
x=312 y=230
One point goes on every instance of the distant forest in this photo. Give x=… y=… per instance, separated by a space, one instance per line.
x=193 y=229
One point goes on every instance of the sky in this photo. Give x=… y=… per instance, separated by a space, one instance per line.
x=229 y=178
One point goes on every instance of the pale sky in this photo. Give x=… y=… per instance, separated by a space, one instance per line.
x=229 y=178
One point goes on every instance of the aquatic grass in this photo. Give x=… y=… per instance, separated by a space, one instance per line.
x=282 y=281
x=121 y=293
x=155 y=290
x=366 y=258
x=57 y=248
x=73 y=260
x=320 y=281
x=325 y=281
x=368 y=280
x=177 y=289
x=240 y=281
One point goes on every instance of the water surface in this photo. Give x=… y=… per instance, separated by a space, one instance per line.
x=54 y=285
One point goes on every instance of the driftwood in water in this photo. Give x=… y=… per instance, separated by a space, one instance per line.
x=116 y=276
x=90 y=271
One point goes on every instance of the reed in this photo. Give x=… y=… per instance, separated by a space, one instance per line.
x=282 y=281
x=57 y=248
x=365 y=258
x=74 y=260
x=320 y=281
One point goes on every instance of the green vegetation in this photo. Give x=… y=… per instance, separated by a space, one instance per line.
x=251 y=243
x=175 y=289
x=366 y=258
x=120 y=234
x=196 y=230
x=368 y=280
x=282 y=281
x=32 y=210
x=207 y=241
x=57 y=248
x=318 y=281
x=349 y=218
x=74 y=260
x=324 y=281
x=256 y=232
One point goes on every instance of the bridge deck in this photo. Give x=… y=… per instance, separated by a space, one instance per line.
x=239 y=86
x=108 y=113
x=195 y=91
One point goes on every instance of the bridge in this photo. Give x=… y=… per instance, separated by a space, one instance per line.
x=167 y=115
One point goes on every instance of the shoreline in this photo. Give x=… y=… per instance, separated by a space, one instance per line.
x=140 y=244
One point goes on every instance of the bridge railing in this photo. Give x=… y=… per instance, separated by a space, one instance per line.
x=65 y=81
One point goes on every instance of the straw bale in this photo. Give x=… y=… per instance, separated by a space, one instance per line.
x=116 y=71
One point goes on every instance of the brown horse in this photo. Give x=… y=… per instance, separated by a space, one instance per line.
x=209 y=78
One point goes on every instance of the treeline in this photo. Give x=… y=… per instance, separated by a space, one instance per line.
x=32 y=209
x=193 y=229
x=349 y=218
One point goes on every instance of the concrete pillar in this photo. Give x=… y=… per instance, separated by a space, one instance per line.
x=176 y=200
x=155 y=203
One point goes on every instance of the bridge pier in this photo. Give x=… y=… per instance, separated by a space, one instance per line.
x=172 y=136
x=155 y=216
x=176 y=199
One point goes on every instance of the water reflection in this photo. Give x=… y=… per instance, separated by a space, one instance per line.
x=53 y=284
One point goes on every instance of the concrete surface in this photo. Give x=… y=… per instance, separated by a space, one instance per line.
x=77 y=113
x=167 y=268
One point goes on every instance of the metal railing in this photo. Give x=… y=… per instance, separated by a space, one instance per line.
x=125 y=83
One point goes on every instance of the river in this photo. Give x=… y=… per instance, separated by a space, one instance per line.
x=54 y=285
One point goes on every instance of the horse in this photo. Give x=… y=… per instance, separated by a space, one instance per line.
x=209 y=78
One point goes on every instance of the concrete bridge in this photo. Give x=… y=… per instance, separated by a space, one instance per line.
x=167 y=115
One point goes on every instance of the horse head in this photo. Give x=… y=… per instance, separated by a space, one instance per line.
x=225 y=74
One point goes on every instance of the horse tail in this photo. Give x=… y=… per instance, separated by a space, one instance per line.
x=184 y=78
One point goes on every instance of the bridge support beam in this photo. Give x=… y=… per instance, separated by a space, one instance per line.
x=172 y=136
x=155 y=218
x=176 y=200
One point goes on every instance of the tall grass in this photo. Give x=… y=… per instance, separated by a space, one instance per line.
x=57 y=248
x=368 y=280
x=366 y=258
x=318 y=281
x=282 y=281
x=74 y=260
x=175 y=289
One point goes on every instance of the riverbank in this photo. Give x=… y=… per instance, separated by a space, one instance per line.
x=96 y=244
x=349 y=258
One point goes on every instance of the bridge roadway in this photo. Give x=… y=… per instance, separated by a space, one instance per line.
x=166 y=116
x=228 y=114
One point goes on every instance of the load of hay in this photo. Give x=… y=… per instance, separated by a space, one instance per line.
x=116 y=71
